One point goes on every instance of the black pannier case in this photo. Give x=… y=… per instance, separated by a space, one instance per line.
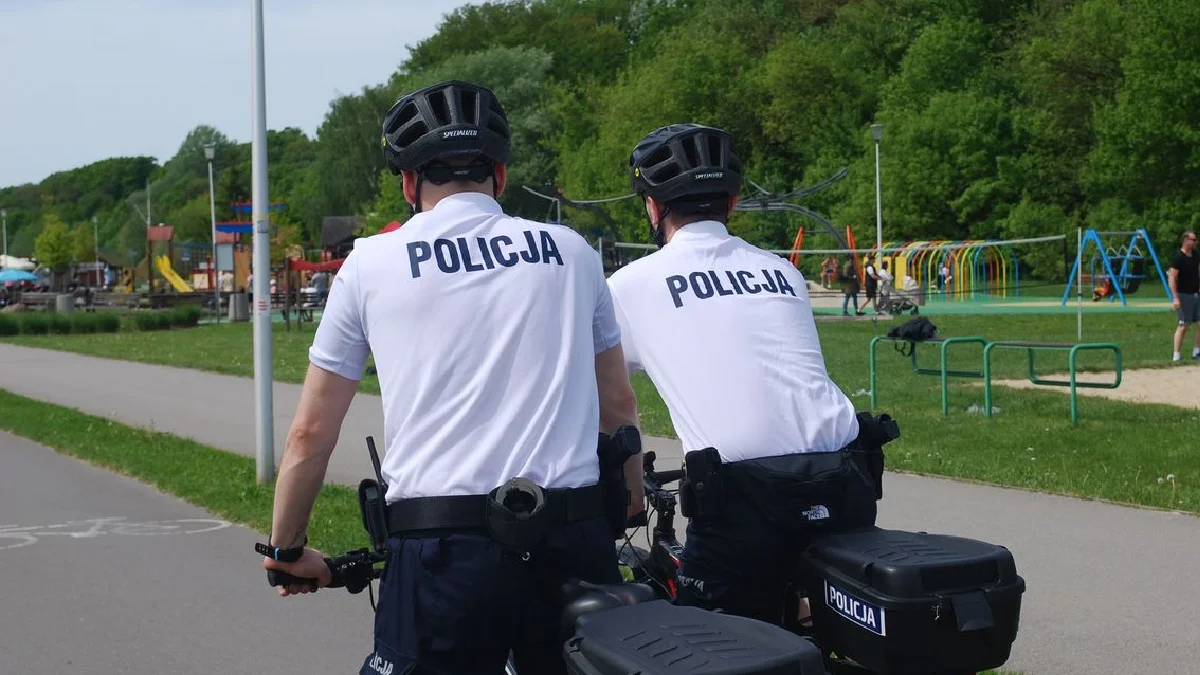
x=659 y=638
x=909 y=603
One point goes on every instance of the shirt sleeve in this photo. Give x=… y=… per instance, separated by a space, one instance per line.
x=628 y=345
x=605 y=332
x=340 y=344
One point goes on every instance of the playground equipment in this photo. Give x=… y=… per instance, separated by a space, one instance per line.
x=985 y=372
x=164 y=268
x=1119 y=280
x=977 y=267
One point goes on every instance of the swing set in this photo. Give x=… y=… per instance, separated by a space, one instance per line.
x=1116 y=272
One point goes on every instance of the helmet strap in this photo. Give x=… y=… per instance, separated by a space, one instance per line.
x=659 y=235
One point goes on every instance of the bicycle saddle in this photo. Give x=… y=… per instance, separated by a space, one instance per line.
x=582 y=597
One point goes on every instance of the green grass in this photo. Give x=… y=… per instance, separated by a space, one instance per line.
x=225 y=348
x=219 y=481
x=1117 y=452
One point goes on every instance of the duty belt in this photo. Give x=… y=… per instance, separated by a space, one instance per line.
x=407 y=517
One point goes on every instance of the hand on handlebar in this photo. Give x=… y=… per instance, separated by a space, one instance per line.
x=311 y=565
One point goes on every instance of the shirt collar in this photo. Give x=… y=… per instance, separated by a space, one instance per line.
x=700 y=229
x=475 y=201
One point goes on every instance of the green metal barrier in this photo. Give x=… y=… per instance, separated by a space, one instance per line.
x=941 y=371
x=1073 y=351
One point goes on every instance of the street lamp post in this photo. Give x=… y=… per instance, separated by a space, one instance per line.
x=4 y=220
x=96 y=250
x=261 y=267
x=210 y=151
x=877 y=134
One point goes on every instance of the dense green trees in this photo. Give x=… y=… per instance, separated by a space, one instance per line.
x=1007 y=119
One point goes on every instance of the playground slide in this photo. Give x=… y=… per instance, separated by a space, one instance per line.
x=165 y=269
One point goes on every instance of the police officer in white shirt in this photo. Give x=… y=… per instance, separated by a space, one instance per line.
x=725 y=331
x=499 y=364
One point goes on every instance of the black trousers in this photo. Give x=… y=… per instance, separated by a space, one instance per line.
x=741 y=563
x=458 y=604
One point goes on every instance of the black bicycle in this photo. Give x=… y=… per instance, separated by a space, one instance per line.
x=880 y=601
x=838 y=620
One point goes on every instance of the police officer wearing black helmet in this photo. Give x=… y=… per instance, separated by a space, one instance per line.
x=774 y=450
x=499 y=363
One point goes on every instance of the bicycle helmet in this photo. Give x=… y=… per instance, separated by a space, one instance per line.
x=685 y=160
x=448 y=119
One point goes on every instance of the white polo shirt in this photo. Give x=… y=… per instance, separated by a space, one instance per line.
x=726 y=333
x=484 y=330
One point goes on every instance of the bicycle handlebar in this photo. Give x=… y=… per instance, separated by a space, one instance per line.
x=277 y=578
x=352 y=570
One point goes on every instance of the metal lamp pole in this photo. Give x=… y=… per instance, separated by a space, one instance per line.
x=96 y=251
x=265 y=446
x=210 y=151
x=4 y=220
x=877 y=134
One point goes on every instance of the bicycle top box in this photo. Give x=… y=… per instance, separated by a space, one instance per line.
x=660 y=638
x=911 y=603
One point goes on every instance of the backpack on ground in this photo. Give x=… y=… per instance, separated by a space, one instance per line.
x=913 y=331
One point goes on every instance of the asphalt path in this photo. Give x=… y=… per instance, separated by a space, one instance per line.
x=1111 y=589
x=104 y=575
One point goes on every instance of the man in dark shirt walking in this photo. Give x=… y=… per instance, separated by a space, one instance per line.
x=1184 y=280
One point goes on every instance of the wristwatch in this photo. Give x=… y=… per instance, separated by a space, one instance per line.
x=281 y=554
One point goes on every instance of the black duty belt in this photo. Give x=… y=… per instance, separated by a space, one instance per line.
x=469 y=512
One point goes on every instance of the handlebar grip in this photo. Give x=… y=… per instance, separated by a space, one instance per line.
x=668 y=476
x=277 y=578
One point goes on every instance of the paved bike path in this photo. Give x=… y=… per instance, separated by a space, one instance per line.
x=190 y=603
x=1111 y=588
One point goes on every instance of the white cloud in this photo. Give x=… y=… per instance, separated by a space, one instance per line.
x=83 y=80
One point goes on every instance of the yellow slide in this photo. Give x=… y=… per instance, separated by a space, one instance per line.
x=176 y=281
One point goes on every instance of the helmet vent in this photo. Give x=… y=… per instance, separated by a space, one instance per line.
x=468 y=102
x=410 y=134
x=690 y=150
x=441 y=111
x=714 y=150
x=406 y=113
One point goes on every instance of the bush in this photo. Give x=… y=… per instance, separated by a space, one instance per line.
x=107 y=323
x=9 y=325
x=151 y=320
x=84 y=322
x=36 y=323
x=60 y=324
x=187 y=316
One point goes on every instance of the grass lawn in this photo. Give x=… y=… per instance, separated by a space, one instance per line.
x=1117 y=452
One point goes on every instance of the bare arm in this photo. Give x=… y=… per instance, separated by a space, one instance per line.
x=618 y=407
x=1172 y=276
x=324 y=401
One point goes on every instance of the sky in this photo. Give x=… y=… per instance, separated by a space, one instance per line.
x=84 y=80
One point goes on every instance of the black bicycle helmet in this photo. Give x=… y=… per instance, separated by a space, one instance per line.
x=685 y=160
x=448 y=119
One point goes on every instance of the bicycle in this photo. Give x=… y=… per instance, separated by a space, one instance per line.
x=636 y=626
x=657 y=566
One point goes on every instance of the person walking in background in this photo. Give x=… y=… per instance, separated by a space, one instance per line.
x=849 y=280
x=1184 y=279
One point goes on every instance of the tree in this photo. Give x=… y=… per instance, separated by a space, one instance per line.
x=53 y=246
x=83 y=245
x=388 y=207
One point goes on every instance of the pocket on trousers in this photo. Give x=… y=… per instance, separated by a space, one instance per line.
x=466 y=590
